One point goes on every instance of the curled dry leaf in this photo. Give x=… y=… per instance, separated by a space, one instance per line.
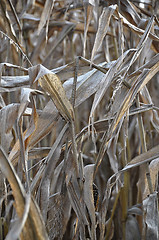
x=52 y=85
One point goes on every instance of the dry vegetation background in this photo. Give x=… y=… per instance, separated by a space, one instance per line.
x=79 y=119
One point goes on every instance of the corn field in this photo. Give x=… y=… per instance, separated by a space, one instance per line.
x=79 y=119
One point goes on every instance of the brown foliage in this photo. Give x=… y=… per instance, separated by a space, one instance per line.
x=79 y=145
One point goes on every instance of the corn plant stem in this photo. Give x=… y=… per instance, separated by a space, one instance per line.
x=64 y=167
x=81 y=174
x=74 y=148
x=143 y=144
x=73 y=97
x=115 y=40
x=120 y=41
x=112 y=215
x=22 y=151
x=128 y=160
x=123 y=145
x=72 y=122
x=102 y=150
x=125 y=189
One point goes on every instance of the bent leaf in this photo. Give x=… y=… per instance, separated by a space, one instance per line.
x=52 y=84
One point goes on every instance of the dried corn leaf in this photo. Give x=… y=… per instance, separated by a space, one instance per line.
x=111 y=87
x=18 y=226
x=46 y=182
x=88 y=197
x=127 y=101
x=134 y=28
x=108 y=79
x=154 y=169
x=88 y=16
x=152 y=65
x=143 y=158
x=141 y=43
x=14 y=81
x=128 y=8
x=58 y=214
x=132 y=228
x=8 y=115
x=8 y=23
x=37 y=153
x=141 y=81
x=76 y=203
x=153 y=115
x=153 y=71
x=65 y=31
x=25 y=100
x=52 y=159
x=52 y=85
x=15 y=14
x=55 y=220
x=150 y=206
x=45 y=123
x=102 y=27
x=45 y=16
x=34 y=226
x=87 y=84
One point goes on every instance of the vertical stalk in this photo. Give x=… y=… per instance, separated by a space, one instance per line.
x=145 y=168
x=112 y=215
x=72 y=123
x=143 y=144
x=115 y=40
x=125 y=189
x=74 y=148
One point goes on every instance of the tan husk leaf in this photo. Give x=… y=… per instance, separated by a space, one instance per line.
x=52 y=84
